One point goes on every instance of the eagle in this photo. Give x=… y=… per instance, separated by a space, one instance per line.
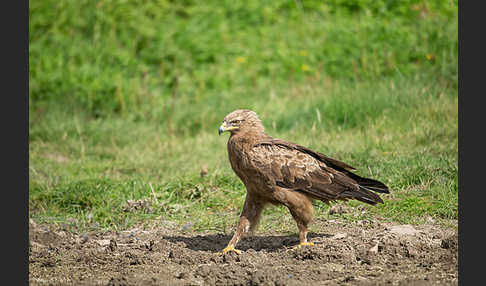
x=278 y=172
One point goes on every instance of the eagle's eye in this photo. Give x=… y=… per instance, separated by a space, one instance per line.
x=236 y=121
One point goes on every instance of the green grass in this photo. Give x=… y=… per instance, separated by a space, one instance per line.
x=126 y=99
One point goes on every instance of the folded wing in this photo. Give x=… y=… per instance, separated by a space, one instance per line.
x=298 y=168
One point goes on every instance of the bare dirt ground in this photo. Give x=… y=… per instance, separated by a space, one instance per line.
x=361 y=253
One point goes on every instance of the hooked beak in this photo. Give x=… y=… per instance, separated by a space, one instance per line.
x=224 y=128
x=221 y=129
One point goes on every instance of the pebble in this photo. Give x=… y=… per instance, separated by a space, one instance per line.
x=187 y=227
x=103 y=242
x=374 y=249
x=340 y=235
x=404 y=229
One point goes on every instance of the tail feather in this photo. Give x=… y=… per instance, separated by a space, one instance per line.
x=363 y=195
x=370 y=184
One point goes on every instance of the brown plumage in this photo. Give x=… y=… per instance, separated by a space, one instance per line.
x=279 y=172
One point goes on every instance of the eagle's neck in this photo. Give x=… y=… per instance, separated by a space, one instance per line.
x=243 y=142
x=239 y=146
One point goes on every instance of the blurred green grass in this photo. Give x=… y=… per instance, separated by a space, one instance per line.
x=125 y=98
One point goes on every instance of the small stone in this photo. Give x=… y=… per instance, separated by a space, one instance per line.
x=338 y=209
x=103 y=242
x=374 y=249
x=187 y=227
x=61 y=233
x=84 y=238
x=404 y=229
x=204 y=170
x=412 y=251
x=340 y=236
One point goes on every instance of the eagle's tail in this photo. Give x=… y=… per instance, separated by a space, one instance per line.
x=370 y=184
x=363 y=195
x=366 y=186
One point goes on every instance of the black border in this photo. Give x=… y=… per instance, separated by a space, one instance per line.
x=471 y=119
x=15 y=149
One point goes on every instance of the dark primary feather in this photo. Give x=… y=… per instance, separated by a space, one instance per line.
x=299 y=168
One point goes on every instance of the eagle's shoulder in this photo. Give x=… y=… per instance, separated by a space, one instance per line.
x=289 y=147
x=268 y=154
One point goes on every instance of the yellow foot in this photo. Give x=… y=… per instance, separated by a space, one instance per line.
x=230 y=248
x=303 y=244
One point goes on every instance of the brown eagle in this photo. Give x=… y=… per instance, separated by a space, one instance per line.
x=279 y=172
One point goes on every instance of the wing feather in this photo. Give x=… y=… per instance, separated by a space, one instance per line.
x=298 y=168
x=319 y=156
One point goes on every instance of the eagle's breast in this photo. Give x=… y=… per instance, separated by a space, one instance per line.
x=239 y=153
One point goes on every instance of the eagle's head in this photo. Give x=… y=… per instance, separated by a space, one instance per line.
x=241 y=121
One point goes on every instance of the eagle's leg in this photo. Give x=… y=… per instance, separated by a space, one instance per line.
x=249 y=218
x=303 y=236
x=300 y=207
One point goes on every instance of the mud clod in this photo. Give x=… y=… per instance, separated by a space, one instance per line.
x=449 y=243
x=112 y=245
